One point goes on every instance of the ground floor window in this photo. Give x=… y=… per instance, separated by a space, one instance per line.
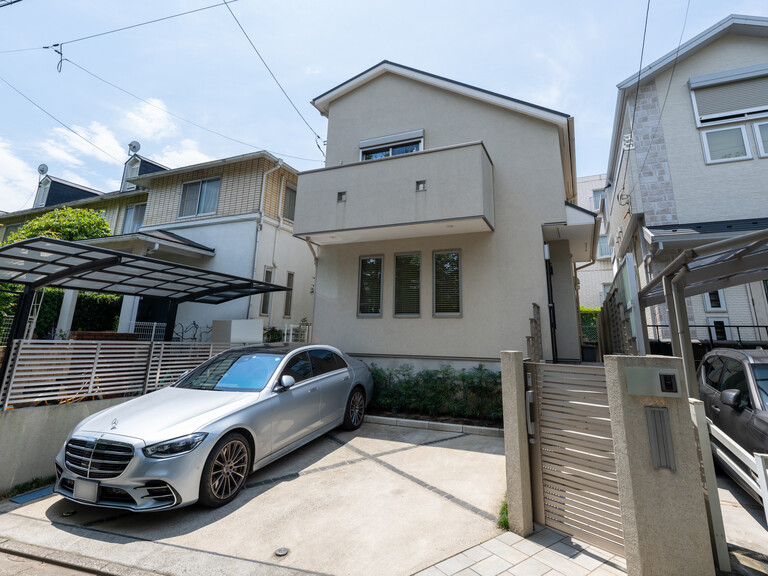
x=447 y=283
x=369 y=294
x=288 y=295
x=407 y=284
x=265 y=296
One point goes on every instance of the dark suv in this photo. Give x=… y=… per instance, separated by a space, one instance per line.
x=733 y=385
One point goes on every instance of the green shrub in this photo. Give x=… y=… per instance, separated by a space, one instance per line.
x=473 y=393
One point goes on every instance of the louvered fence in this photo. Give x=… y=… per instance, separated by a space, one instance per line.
x=57 y=372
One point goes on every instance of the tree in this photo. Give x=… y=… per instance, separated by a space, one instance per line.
x=65 y=224
x=62 y=223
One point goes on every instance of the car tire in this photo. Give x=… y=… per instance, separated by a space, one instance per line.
x=225 y=471
x=355 y=410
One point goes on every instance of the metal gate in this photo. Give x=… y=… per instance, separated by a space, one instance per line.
x=573 y=470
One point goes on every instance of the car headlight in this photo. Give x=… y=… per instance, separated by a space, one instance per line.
x=175 y=447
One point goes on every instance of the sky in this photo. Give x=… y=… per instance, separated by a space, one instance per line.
x=177 y=85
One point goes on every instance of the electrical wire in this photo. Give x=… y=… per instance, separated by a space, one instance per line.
x=89 y=37
x=317 y=136
x=44 y=111
x=666 y=95
x=195 y=124
x=637 y=89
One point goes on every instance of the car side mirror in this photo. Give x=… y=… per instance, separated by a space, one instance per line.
x=286 y=381
x=731 y=397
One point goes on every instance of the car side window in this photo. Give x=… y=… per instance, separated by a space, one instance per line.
x=713 y=370
x=340 y=362
x=299 y=367
x=734 y=378
x=322 y=361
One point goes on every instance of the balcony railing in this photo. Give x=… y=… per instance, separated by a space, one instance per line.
x=435 y=192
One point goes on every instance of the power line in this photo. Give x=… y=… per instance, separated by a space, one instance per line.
x=44 y=111
x=149 y=103
x=115 y=30
x=317 y=136
x=666 y=95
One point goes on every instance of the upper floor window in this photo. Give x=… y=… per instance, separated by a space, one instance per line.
x=392 y=145
x=199 y=198
x=289 y=205
x=761 y=137
x=731 y=95
x=726 y=144
x=715 y=301
x=134 y=218
x=597 y=197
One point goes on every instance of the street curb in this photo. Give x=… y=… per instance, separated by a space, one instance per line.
x=70 y=560
x=438 y=426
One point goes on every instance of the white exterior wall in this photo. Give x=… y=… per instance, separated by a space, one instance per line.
x=592 y=278
x=502 y=272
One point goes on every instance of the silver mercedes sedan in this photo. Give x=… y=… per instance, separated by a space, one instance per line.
x=200 y=438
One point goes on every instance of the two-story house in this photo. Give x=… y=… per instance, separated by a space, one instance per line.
x=594 y=280
x=444 y=212
x=688 y=165
x=233 y=215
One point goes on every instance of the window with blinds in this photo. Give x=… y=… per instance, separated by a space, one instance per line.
x=265 y=296
x=447 y=287
x=731 y=101
x=407 y=284
x=369 y=296
x=288 y=295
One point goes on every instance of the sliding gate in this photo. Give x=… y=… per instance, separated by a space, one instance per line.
x=573 y=469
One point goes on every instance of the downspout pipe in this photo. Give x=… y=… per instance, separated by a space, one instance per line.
x=258 y=229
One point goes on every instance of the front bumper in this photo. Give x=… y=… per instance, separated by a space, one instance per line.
x=146 y=484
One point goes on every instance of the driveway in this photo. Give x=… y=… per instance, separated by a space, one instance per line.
x=382 y=500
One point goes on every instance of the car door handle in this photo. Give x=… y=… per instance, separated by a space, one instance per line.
x=312 y=390
x=716 y=409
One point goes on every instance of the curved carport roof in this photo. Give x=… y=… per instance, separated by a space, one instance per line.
x=41 y=262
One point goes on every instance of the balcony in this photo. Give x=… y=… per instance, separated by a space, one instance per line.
x=431 y=193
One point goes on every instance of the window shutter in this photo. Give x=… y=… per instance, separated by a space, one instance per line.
x=735 y=98
x=407 y=283
x=370 y=286
x=447 y=283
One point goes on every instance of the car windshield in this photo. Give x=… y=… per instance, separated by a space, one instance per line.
x=233 y=372
x=761 y=378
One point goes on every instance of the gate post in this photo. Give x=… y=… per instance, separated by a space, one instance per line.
x=658 y=470
x=519 y=497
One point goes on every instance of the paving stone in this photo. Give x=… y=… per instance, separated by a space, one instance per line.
x=478 y=553
x=509 y=538
x=529 y=547
x=455 y=563
x=599 y=553
x=467 y=572
x=545 y=537
x=529 y=567
x=431 y=571
x=562 y=548
x=491 y=566
x=562 y=563
x=505 y=551
x=615 y=569
x=588 y=561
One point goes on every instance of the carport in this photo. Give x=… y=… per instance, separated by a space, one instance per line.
x=42 y=262
x=714 y=266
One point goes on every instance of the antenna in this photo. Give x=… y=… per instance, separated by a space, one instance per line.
x=134 y=147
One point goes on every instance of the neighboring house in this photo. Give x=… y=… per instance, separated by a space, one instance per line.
x=595 y=280
x=431 y=220
x=232 y=215
x=688 y=165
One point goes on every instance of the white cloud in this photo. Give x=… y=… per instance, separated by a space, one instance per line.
x=149 y=121
x=54 y=151
x=111 y=151
x=185 y=154
x=18 y=180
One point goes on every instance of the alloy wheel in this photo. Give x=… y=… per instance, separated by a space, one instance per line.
x=229 y=469
x=357 y=408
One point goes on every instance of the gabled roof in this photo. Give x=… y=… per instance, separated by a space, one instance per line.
x=69 y=184
x=144 y=179
x=148 y=166
x=733 y=24
x=323 y=101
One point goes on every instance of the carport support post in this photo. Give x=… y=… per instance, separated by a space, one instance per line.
x=519 y=496
x=684 y=336
x=669 y=297
x=171 y=321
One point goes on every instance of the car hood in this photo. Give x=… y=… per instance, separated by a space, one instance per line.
x=166 y=414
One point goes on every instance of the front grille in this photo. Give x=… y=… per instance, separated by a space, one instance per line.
x=97 y=459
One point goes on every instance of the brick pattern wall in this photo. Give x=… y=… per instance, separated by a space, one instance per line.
x=238 y=191
x=655 y=182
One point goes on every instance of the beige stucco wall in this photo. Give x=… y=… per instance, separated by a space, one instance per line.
x=502 y=272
